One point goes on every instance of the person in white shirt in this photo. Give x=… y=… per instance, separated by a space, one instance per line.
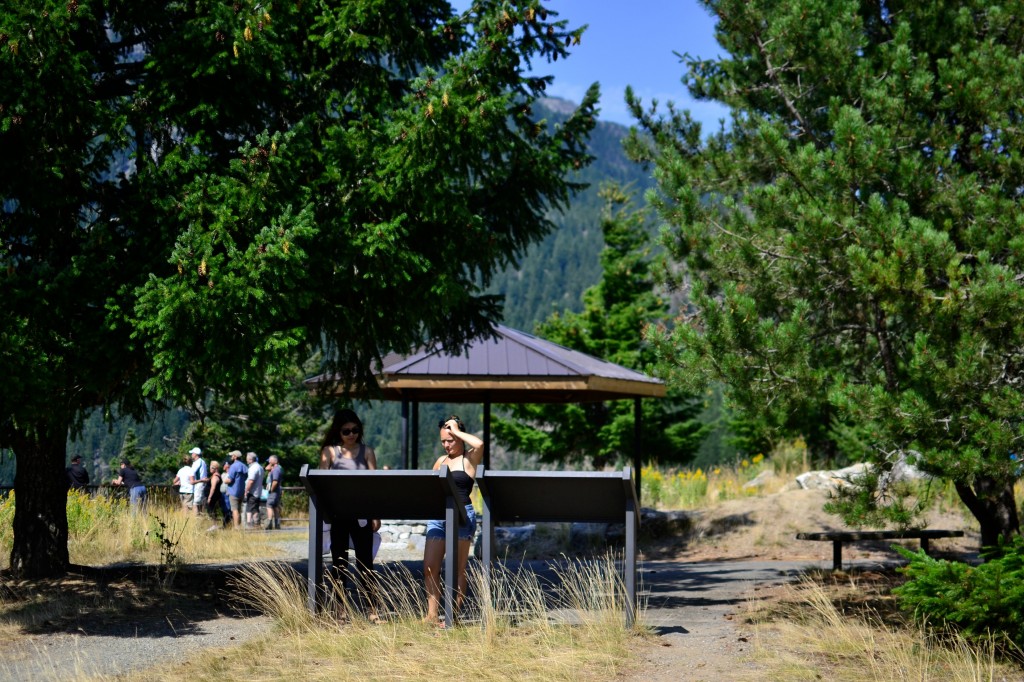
x=183 y=479
x=200 y=480
x=253 y=488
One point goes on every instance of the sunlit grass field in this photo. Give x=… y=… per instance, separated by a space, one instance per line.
x=103 y=530
x=697 y=488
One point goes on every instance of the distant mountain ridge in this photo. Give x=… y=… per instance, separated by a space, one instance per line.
x=557 y=105
x=554 y=273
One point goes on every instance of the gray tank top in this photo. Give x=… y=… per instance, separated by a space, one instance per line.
x=344 y=463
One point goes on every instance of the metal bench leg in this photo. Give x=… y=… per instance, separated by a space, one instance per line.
x=924 y=546
x=837 y=555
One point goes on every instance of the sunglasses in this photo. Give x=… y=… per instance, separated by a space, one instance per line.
x=349 y=432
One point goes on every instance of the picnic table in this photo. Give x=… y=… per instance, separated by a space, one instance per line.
x=838 y=537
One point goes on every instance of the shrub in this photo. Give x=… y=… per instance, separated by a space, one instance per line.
x=6 y=522
x=85 y=512
x=978 y=601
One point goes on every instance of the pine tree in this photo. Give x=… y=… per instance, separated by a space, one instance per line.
x=610 y=326
x=854 y=235
x=196 y=196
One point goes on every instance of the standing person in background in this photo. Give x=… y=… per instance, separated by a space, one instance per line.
x=78 y=477
x=253 y=488
x=130 y=479
x=274 y=476
x=463 y=454
x=235 y=478
x=200 y=480
x=215 y=506
x=343 y=448
x=183 y=479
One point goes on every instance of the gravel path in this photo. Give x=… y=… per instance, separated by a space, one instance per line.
x=98 y=650
x=696 y=610
x=690 y=605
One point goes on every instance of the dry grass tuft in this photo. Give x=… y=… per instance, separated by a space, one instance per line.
x=807 y=636
x=511 y=633
x=104 y=531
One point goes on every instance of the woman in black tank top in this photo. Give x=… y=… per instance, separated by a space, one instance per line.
x=463 y=453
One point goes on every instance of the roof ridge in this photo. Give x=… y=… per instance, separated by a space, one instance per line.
x=532 y=343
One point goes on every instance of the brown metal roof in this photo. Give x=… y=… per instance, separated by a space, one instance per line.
x=509 y=367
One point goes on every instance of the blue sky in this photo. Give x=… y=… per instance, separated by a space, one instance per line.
x=632 y=43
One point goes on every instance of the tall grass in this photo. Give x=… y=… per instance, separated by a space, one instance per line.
x=104 y=530
x=514 y=629
x=684 y=488
x=808 y=638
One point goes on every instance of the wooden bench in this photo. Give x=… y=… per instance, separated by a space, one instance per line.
x=838 y=537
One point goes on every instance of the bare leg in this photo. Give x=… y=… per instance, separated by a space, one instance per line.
x=433 y=555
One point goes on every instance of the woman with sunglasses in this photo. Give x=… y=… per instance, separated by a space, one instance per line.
x=463 y=453
x=343 y=448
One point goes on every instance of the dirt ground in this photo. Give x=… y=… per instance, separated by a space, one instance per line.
x=764 y=528
x=753 y=541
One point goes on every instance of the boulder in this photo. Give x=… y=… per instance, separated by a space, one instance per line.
x=760 y=480
x=836 y=478
x=509 y=541
x=586 y=537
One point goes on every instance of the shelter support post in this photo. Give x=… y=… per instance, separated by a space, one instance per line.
x=638 y=418
x=487 y=431
x=415 y=435
x=404 y=435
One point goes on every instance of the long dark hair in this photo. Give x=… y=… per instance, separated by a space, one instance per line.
x=341 y=417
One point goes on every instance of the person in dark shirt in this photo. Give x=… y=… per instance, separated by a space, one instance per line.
x=130 y=479
x=463 y=453
x=78 y=477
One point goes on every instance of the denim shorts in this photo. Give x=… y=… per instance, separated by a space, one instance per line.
x=435 y=529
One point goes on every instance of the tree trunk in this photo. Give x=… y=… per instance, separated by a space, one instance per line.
x=992 y=502
x=40 y=547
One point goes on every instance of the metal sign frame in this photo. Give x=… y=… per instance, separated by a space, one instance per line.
x=562 y=496
x=381 y=494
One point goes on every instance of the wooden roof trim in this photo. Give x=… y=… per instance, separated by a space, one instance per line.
x=595 y=384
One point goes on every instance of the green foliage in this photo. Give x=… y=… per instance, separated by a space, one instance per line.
x=851 y=242
x=283 y=420
x=217 y=191
x=610 y=325
x=867 y=504
x=979 y=601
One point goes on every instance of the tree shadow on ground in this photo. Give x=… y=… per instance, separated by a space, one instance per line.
x=124 y=600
